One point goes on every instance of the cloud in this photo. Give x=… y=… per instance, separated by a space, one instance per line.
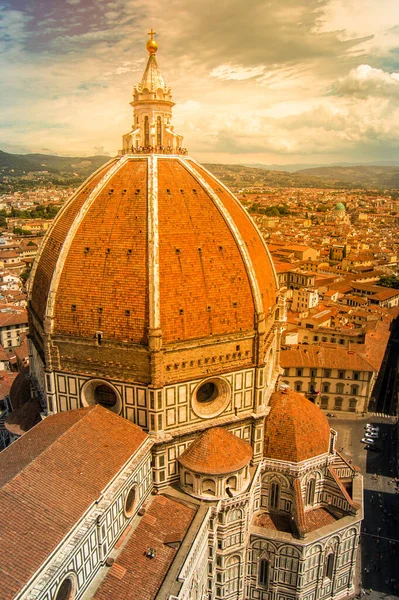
x=236 y=72
x=365 y=81
x=253 y=83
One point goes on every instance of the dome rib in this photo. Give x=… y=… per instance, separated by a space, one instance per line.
x=257 y=249
x=40 y=279
x=49 y=313
x=216 y=452
x=234 y=231
x=153 y=244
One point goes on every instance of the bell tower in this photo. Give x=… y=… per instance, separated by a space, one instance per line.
x=152 y=129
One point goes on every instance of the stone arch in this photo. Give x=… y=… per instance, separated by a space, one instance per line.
x=232 y=482
x=209 y=487
x=289 y=550
x=352 y=532
x=270 y=476
x=234 y=514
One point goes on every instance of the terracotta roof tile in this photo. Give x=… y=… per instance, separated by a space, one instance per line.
x=296 y=429
x=63 y=463
x=326 y=357
x=135 y=576
x=216 y=452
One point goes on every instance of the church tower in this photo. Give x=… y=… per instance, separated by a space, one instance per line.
x=152 y=117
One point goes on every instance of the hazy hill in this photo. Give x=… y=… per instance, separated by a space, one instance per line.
x=30 y=163
x=358 y=176
x=70 y=170
x=244 y=177
x=301 y=167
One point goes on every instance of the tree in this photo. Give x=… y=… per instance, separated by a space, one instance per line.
x=391 y=281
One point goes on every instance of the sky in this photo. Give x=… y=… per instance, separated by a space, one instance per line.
x=266 y=81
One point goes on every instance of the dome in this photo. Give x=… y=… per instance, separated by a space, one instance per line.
x=152 y=242
x=216 y=452
x=339 y=206
x=296 y=429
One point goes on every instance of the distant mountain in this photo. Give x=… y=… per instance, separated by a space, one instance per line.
x=70 y=170
x=291 y=168
x=244 y=177
x=371 y=177
x=30 y=163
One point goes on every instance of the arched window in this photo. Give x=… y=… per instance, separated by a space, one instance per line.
x=310 y=491
x=329 y=566
x=146 y=131
x=209 y=487
x=274 y=499
x=159 y=132
x=354 y=390
x=324 y=402
x=340 y=388
x=263 y=573
x=326 y=388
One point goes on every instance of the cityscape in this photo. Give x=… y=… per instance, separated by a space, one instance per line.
x=198 y=369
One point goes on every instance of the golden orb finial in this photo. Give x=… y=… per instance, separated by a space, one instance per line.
x=152 y=45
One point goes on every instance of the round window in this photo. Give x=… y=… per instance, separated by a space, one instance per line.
x=207 y=392
x=131 y=501
x=105 y=395
x=100 y=392
x=67 y=589
x=211 y=397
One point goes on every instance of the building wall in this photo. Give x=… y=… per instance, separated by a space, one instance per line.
x=338 y=389
x=90 y=542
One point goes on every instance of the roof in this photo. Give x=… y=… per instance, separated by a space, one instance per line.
x=295 y=428
x=63 y=463
x=340 y=206
x=327 y=357
x=212 y=274
x=134 y=576
x=13 y=317
x=216 y=452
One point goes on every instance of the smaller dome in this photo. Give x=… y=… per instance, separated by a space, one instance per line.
x=216 y=452
x=296 y=429
x=340 y=206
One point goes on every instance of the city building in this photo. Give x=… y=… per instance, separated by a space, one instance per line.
x=334 y=377
x=166 y=465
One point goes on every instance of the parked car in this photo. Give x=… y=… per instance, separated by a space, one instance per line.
x=367 y=440
x=371 y=433
x=370 y=426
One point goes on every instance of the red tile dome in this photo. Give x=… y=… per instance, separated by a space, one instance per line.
x=216 y=452
x=152 y=242
x=296 y=429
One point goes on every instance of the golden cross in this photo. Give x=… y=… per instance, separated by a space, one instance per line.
x=152 y=33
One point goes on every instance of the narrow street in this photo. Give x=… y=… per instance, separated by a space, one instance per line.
x=378 y=572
